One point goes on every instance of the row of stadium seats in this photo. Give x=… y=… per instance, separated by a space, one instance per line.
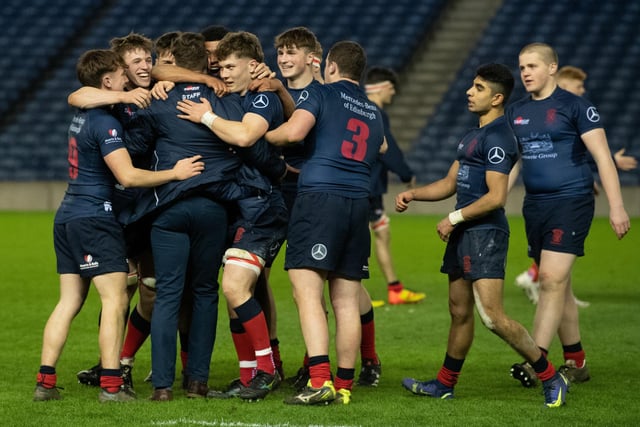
x=36 y=115
x=33 y=34
x=599 y=37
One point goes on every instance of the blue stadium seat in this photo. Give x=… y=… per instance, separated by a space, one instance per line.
x=62 y=34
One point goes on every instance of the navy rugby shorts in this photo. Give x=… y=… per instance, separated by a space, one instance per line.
x=476 y=254
x=331 y=233
x=559 y=225
x=90 y=247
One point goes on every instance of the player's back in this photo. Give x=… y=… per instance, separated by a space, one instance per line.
x=93 y=134
x=345 y=141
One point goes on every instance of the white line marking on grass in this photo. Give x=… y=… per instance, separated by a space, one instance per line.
x=223 y=423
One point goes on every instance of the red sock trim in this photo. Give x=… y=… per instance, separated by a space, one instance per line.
x=133 y=340
x=319 y=374
x=339 y=383
x=47 y=380
x=368 y=342
x=111 y=383
x=258 y=333
x=548 y=373
x=448 y=377
x=245 y=353
x=277 y=359
x=577 y=356
x=395 y=286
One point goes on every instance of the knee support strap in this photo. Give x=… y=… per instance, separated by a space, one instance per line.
x=132 y=279
x=244 y=259
x=381 y=223
x=149 y=282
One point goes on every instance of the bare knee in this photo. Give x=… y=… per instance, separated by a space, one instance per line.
x=460 y=314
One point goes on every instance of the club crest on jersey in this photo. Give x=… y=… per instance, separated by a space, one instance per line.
x=239 y=233
x=472 y=146
x=88 y=262
x=260 y=101
x=551 y=116
x=556 y=236
x=113 y=137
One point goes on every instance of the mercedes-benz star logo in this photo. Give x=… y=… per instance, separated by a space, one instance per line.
x=319 y=251
x=593 y=115
x=496 y=155
x=261 y=101
x=304 y=95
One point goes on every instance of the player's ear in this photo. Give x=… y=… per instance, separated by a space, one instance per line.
x=332 y=67
x=309 y=58
x=106 y=81
x=498 y=98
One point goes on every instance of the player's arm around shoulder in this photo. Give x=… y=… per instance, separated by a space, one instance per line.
x=90 y=97
x=293 y=130
x=127 y=175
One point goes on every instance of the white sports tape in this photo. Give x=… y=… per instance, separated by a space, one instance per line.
x=208 y=118
x=488 y=322
x=132 y=279
x=381 y=223
x=456 y=217
x=243 y=258
x=149 y=282
x=264 y=352
x=248 y=363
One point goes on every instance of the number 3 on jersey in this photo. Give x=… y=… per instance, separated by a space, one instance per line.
x=356 y=149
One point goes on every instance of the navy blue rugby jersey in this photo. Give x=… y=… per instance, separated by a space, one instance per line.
x=176 y=138
x=489 y=148
x=554 y=158
x=124 y=199
x=93 y=134
x=344 y=142
x=266 y=158
x=295 y=154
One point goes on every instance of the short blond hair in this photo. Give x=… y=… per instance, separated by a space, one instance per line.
x=546 y=52
x=572 y=73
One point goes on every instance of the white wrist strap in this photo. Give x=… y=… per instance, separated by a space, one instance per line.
x=456 y=217
x=208 y=118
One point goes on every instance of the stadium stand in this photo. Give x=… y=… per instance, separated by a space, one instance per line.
x=33 y=34
x=51 y=36
x=599 y=37
x=41 y=42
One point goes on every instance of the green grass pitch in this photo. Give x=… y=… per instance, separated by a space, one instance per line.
x=411 y=341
